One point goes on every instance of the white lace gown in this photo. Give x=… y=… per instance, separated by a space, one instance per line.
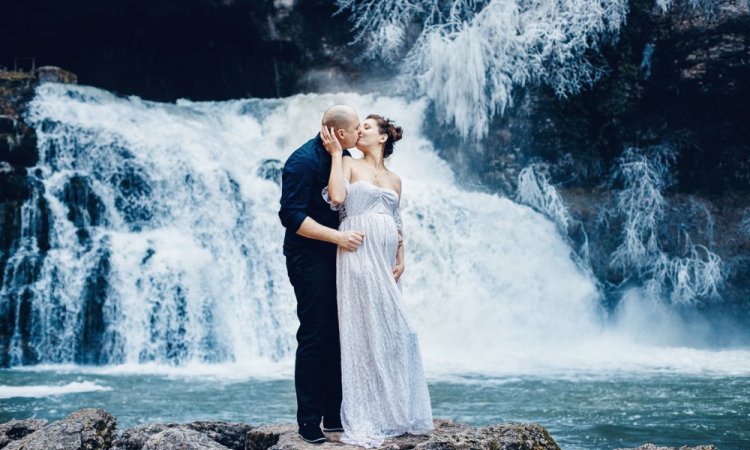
x=384 y=388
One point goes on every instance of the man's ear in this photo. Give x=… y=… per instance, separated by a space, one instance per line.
x=340 y=133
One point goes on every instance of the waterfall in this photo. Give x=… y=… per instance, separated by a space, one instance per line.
x=152 y=240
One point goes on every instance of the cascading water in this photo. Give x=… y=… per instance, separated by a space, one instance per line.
x=165 y=248
x=165 y=245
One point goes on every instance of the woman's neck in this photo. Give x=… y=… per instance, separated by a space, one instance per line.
x=374 y=157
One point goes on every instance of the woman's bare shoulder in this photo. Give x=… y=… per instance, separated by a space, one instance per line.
x=396 y=180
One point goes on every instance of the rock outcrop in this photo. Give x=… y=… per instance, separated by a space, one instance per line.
x=446 y=436
x=95 y=429
x=18 y=153
x=19 y=429
x=87 y=429
x=224 y=434
x=181 y=439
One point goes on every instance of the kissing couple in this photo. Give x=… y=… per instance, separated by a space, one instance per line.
x=358 y=367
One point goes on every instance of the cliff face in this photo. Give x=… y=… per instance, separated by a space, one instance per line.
x=17 y=153
x=196 y=49
x=678 y=84
x=678 y=78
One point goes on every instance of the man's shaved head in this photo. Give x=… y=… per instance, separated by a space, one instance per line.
x=340 y=116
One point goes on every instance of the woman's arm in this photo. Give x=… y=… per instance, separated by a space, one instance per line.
x=398 y=269
x=340 y=167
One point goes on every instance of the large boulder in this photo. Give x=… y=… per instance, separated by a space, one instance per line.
x=181 y=439
x=87 y=429
x=446 y=436
x=18 y=429
x=227 y=434
x=135 y=438
x=508 y=436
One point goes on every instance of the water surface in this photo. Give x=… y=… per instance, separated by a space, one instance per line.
x=580 y=411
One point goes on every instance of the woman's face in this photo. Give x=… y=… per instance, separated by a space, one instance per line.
x=369 y=136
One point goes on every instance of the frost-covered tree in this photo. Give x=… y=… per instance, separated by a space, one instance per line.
x=535 y=190
x=640 y=205
x=470 y=55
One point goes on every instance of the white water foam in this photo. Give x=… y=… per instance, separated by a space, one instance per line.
x=198 y=286
x=46 y=390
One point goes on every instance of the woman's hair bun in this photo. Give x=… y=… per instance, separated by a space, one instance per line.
x=395 y=132
x=386 y=126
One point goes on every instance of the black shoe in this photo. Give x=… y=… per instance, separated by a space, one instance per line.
x=332 y=425
x=311 y=433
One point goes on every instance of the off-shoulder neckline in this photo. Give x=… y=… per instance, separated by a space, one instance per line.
x=375 y=185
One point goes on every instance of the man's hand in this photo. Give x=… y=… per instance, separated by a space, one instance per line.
x=398 y=270
x=328 y=136
x=350 y=240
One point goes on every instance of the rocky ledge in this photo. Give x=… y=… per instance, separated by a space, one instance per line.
x=96 y=429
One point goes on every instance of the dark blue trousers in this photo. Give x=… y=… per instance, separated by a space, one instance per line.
x=317 y=370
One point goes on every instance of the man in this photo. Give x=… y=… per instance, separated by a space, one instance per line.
x=310 y=248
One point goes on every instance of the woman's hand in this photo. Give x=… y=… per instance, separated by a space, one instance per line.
x=397 y=270
x=332 y=145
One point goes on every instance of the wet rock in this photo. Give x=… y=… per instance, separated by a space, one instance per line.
x=7 y=124
x=446 y=436
x=87 y=429
x=135 y=438
x=19 y=149
x=181 y=439
x=515 y=436
x=228 y=434
x=14 y=186
x=18 y=429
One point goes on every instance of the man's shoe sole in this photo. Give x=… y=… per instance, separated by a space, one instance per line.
x=333 y=430
x=316 y=441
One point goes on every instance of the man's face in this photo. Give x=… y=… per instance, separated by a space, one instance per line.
x=348 y=136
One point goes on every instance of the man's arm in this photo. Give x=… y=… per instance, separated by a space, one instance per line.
x=348 y=240
x=296 y=182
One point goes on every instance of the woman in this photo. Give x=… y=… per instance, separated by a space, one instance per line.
x=384 y=388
